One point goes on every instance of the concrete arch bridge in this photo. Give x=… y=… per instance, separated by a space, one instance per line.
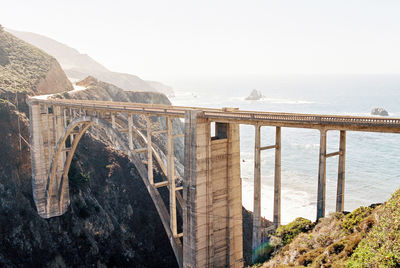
x=209 y=199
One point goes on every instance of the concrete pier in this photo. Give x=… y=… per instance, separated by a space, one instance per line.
x=212 y=191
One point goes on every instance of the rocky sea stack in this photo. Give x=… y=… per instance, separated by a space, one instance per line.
x=255 y=95
x=379 y=111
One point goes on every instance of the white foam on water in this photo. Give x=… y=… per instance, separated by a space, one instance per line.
x=294 y=203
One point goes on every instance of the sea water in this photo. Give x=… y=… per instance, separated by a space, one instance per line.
x=372 y=159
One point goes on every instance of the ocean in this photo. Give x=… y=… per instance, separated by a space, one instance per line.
x=372 y=159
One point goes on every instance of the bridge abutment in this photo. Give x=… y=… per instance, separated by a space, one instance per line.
x=47 y=127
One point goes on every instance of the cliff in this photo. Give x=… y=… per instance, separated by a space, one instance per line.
x=27 y=69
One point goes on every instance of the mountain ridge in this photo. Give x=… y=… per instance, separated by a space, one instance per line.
x=78 y=66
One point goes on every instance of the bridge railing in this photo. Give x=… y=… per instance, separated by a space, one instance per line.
x=235 y=115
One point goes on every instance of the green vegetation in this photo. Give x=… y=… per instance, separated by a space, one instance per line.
x=78 y=180
x=286 y=233
x=353 y=219
x=381 y=246
x=21 y=65
x=283 y=235
x=367 y=237
x=327 y=244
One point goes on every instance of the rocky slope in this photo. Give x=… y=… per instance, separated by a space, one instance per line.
x=367 y=237
x=26 y=69
x=78 y=66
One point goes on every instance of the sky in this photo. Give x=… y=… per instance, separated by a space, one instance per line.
x=157 y=39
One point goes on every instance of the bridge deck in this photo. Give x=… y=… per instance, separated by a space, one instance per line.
x=313 y=121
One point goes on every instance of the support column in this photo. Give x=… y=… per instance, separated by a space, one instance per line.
x=49 y=134
x=171 y=178
x=321 y=175
x=234 y=198
x=130 y=136
x=341 y=172
x=65 y=118
x=277 y=179
x=55 y=206
x=113 y=120
x=256 y=242
x=149 y=152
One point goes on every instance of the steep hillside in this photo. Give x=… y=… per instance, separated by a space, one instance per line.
x=77 y=66
x=111 y=221
x=381 y=246
x=27 y=69
x=367 y=237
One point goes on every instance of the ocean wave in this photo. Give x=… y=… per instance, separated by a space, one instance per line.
x=295 y=203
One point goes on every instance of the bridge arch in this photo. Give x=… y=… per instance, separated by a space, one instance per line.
x=62 y=166
x=56 y=195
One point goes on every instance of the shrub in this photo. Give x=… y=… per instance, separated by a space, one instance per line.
x=288 y=232
x=353 y=219
x=381 y=247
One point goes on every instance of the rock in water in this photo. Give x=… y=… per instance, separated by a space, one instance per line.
x=379 y=111
x=255 y=95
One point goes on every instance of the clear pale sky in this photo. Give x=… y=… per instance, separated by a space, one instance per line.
x=156 y=39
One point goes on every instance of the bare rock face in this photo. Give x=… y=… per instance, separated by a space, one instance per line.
x=379 y=111
x=255 y=95
x=55 y=80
